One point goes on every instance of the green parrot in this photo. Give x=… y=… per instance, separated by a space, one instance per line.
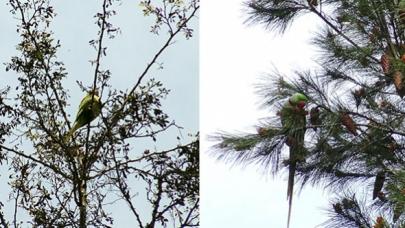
x=88 y=111
x=293 y=120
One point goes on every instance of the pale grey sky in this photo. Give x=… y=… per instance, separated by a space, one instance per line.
x=233 y=58
x=127 y=56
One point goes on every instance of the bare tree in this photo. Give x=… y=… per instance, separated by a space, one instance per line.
x=68 y=182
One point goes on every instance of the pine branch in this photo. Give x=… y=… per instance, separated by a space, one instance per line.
x=348 y=212
x=275 y=14
x=264 y=148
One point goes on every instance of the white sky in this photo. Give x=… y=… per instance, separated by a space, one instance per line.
x=233 y=56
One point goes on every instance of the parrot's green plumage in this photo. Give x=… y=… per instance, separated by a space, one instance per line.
x=294 y=122
x=89 y=109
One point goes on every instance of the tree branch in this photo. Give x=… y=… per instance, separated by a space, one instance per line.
x=50 y=166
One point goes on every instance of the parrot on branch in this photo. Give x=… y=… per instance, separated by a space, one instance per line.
x=89 y=109
x=293 y=120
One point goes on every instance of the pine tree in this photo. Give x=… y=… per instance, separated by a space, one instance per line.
x=355 y=131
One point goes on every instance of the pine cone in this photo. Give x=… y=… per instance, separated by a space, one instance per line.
x=385 y=63
x=397 y=78
x=398 y=82
x=313 y=3
x=348 y=122
x=262 y=131
x=381 y=196
x=379 y=222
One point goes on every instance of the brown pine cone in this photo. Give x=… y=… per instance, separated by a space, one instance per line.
x=349 y=123
x=262 y=131
x=379 y=222
x=313 y=3
x=397 y=78
x=398 y=82
x=385 y=63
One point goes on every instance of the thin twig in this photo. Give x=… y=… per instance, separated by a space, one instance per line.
x=160 y=52
x=3 y=220
x=16 y=208
x=125 y=193
x=52 y=167
x=186 y=221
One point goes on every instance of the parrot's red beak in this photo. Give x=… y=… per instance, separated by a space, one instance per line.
x=301 y=104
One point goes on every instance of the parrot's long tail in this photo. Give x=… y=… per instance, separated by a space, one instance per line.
x=70 y=133
x=290 y=186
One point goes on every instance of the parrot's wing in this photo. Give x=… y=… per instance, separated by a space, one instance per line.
x=83 y=104
x=96 y=106
x=85 y=99
x=86 y=102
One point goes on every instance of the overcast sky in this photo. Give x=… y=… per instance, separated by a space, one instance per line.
x=233 y=58
x=127 y=56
